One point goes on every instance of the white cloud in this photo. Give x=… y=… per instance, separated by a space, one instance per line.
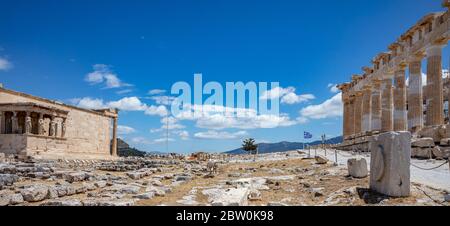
x=5 y=64
x=156 y=91
x=103 y=74
x=287 y=95
x=183 y=134
x=123 y=130
x=169 y=123
x=89 y=103
x=124 y=104
x=328 y=109
x=333 y=88
x=292 y=98
x=128 y=104
x=156 y=110
x=302 y=120
x=220 y=135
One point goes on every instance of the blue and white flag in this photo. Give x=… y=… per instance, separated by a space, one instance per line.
x=307 y=135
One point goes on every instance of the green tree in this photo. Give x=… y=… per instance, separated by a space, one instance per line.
x=249 y=146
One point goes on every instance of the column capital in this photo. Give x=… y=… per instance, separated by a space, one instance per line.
x=435 y=49
x=416 y=57
x=446 y=3
x=358 y=93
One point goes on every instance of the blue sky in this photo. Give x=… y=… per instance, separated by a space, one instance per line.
x=112 y=53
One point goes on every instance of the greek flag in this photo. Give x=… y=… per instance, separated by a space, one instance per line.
x=307 y=135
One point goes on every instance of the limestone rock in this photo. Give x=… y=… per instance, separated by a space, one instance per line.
x=147 y=195
x=16 y=199
x=254 y=195
x=390 y=164
x=5 y=197
x=76 y=177
x=422 y=142
x=34 y=193
x=62 y=203
x=52 y=193
x=100 y=184
x=321 y=160
x=435 y=132
x=8 y=179
x=445 y=142
x=227 y=197
x=276 y=204
x=421 y=153
x=114 y=203
x=437 y=153
x=447 y=197
x=357 y=168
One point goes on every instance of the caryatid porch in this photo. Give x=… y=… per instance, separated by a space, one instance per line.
x=32 y=119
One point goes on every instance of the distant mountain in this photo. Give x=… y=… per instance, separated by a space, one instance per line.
x=124 y=150
x=284 y=146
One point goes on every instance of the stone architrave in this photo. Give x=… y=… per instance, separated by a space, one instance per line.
x=390 y=164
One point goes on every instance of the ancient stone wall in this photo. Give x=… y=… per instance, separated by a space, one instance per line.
x=87 y=133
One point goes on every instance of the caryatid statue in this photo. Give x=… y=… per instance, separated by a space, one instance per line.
x=41 y=127
x=28 y=125
x=14 y=123
x=52 y=132
x=63 y=128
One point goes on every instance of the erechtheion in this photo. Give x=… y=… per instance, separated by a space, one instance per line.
x=381 y=99
x=41 y=128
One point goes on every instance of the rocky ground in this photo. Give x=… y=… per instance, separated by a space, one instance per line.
x=269 y=180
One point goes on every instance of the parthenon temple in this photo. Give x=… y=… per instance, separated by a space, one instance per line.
x=381 y=99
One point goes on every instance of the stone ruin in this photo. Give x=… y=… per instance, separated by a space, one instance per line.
x=382 y=100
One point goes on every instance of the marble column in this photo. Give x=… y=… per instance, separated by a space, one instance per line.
x=351 y=115
x=346 y=121
x=415 y=95
x=367 y=109
x=435 y=98
x=400 y=112
x=387 y=106
x=358 y=112
x=114 y=138
x=376 y=106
